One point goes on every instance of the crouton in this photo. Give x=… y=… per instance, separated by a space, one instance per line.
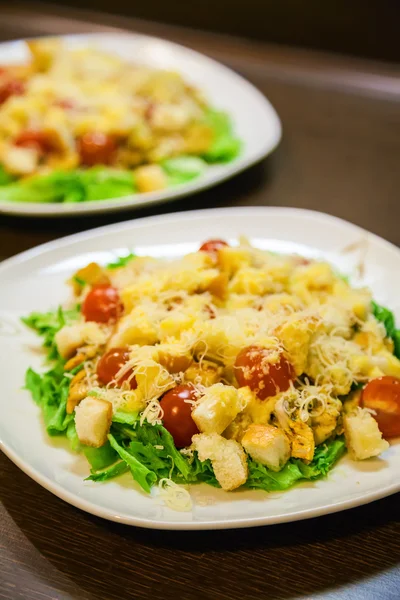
x=92 y=421
x=72 y=337
x=150 y=178
x=135 y=328
x=267 y=445
x=217 y=408
x=362 y=435
x=227 y=458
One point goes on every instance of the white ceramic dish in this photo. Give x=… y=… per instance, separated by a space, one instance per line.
x=255 y=120
x=35 y=279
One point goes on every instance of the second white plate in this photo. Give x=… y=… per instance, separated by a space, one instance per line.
x=255 y=120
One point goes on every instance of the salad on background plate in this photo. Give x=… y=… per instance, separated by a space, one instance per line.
x=232 y=366
x=84 y=124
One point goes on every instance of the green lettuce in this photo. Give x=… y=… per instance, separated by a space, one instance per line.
x=114 y=470
x=326 y=455
x=145 y=477
x=121 y=261
x=226 y=146
x=182 y=169
x=385 y=316
x=47 y=324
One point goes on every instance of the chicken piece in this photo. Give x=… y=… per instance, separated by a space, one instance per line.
x=217 y=408
x=206 y=373
x=296 y=334
x=173 y=358
x=150 y=178
x=92 y=274
x=78 y=390
x=85 y=353
x=135 y=328
x=363 y=438
x=72 y=337
x=325 y=424
x=268 y=445
x=302 y=440
x=20 y=161
x=227 y=457
x=44 y=50
x=92 y=421
x=238 y=427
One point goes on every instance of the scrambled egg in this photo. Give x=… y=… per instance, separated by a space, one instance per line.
x=181 y=328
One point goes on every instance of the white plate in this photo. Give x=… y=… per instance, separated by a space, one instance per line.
x=35 y=279
x=255 y=121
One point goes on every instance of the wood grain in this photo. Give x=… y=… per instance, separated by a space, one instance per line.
x=340 y=153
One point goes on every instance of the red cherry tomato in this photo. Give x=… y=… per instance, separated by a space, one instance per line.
x=383 y=396
x=96 y=148
x=212 y=246
x=33 y=139
x=109 y=365
x=102 y=304
x=177 y=417
x=254 y=368
x=11 y=87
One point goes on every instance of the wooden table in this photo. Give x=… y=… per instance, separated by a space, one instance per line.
x=340 y=154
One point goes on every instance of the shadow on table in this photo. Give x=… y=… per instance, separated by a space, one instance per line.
x=247 y=185
x=106 y=560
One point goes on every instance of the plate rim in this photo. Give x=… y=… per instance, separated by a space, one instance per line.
x=232 y=523
x=135 y=201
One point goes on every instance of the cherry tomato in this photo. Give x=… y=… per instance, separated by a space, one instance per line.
x=109 y=365
x=11 y=87
x=102 y=304
x=383 y=396
x=177 y=417
x=33 y=139
x=96 y=148
x=254 y=368
x=212 y=246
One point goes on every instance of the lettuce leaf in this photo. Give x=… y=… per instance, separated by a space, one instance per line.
x=47 y=324
x=385 y=316
x=100 y=458
x=182 y=169
x=109 y=472
x=226 y=146
x=326 y=455
x=140 y=473
x=121 y=261
x=50 y=392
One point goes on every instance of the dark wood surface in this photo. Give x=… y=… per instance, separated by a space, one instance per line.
x=340 y=154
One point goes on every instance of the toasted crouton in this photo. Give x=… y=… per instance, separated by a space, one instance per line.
x=362 y=435
x=267 y=445
x=92 y=421
x=206 y=373
x=72 y=337
x=217 y=408
x=227 y=458
x=150 y=178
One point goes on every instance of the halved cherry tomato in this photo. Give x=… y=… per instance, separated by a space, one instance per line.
x=109 y=365
x=177 y=417
x=383 y=396
x=254 y=368
x=96 y=148
x=212 y=246
x=31 y=138
x=11 y=87
x=102 y=304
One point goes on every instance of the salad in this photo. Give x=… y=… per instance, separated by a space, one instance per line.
x=81 y=124
x=232 y=366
